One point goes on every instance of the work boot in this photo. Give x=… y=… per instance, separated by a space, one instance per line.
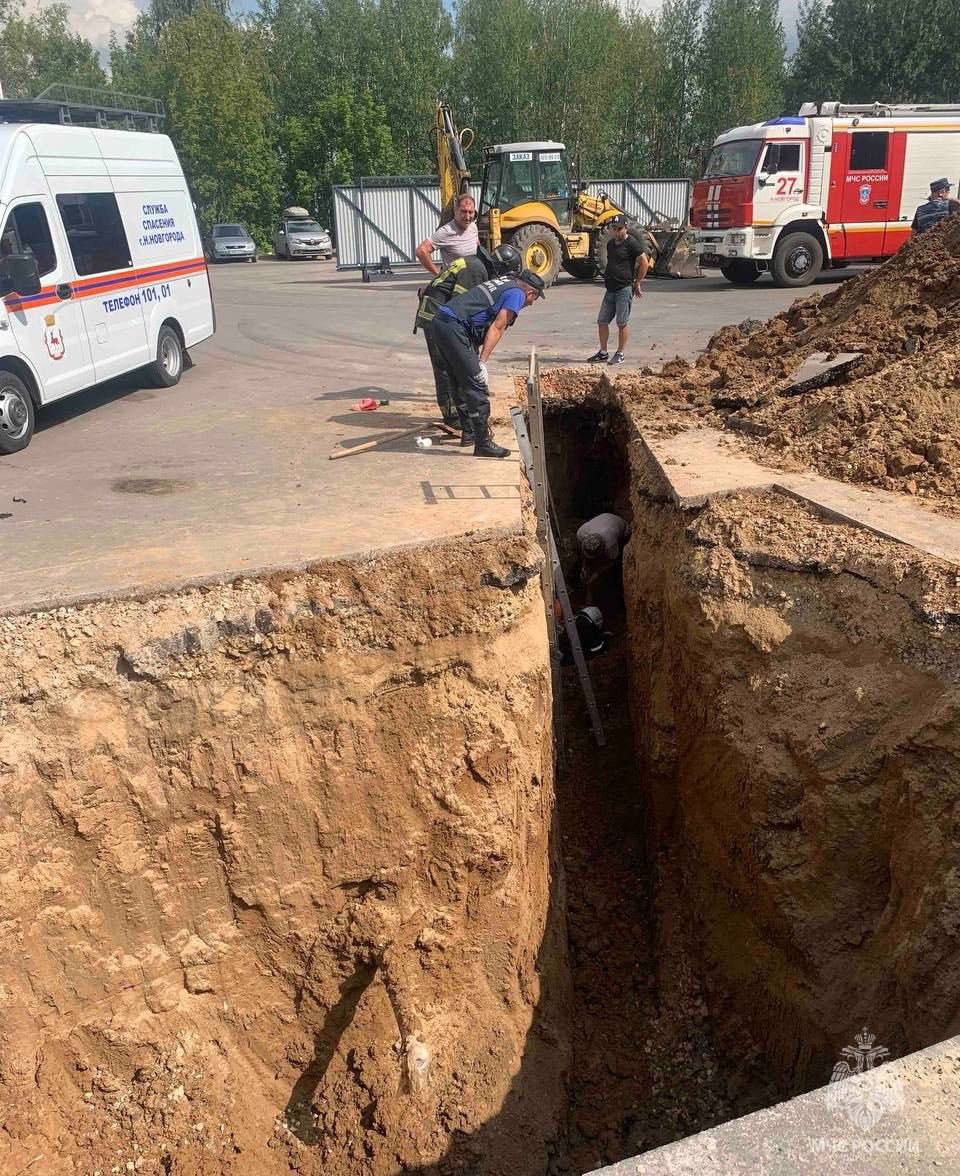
x=486 y=446
x=465 y=425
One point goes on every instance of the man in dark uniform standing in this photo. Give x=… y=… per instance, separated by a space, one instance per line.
x=467 y=330
x=460 y=276
x=936 y=208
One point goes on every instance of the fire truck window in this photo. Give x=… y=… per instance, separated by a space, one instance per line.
x=781 y=157
x=94 y=232
x=27 y=231
x=869 y=150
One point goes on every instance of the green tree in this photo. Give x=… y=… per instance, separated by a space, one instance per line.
x=411 y=50
x=813 y=74
x=497 y=54
x=740 y=67
x=211 y=73
x=876 y=50
x=344 y=137
x=670 y=131
x=39 y=49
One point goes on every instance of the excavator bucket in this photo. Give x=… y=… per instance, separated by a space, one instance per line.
x=675 y=253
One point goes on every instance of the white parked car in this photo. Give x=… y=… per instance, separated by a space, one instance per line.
x=299 y=235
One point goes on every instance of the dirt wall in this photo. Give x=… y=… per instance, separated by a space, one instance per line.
x=796 y=687
x=277 y=872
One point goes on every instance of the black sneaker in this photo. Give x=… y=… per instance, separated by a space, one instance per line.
x=616 y=359
x=599 y=357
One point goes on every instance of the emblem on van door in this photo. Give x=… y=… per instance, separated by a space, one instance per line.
x=53 y=337
x=865 y=193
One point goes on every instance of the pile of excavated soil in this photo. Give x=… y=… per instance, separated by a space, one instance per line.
x=892 y=421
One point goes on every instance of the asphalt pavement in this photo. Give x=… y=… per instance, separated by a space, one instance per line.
x=128 y=489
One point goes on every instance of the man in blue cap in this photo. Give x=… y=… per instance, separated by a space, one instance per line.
x=466 y=330
x=936 y=208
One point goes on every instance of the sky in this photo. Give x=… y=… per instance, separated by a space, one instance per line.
x=96 y=19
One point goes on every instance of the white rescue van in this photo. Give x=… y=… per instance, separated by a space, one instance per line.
x=102 y=268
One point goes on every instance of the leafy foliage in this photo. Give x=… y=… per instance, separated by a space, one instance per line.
x=277 y=107
x=38 y=49
x=875 y=50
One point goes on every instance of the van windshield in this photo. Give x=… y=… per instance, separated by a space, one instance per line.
x=737 y=158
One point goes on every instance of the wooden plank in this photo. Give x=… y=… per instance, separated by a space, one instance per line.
x=338 y=451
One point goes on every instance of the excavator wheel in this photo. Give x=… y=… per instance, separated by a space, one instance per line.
x=540 y=249
x=602 y=238
x=584 y=270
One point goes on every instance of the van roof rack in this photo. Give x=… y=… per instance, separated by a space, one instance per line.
x=82 y=106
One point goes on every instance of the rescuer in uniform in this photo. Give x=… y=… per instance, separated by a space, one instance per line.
x=460 y=276
x=467 y=330
x=936 y=208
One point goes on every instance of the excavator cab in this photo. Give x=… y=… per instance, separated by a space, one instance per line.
x=524 y=173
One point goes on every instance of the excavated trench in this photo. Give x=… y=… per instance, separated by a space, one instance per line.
x=764 y=857
x=291 y=885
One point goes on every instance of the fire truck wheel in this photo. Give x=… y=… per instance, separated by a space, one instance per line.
x=797 y=260
x=540 y=248
x=741 y=273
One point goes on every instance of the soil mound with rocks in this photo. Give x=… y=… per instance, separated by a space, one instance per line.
x=892 y=420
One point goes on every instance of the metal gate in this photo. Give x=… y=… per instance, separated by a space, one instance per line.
x=389 y=216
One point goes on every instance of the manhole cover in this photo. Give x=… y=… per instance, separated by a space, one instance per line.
x=149 y=486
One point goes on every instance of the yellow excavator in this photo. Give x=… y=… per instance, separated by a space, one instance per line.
x=527 y=198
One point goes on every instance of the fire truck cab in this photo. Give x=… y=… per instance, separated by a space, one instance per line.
x=829 y=186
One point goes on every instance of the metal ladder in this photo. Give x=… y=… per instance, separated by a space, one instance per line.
x=534 y=457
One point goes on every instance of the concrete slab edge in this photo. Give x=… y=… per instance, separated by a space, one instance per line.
x=147 y=591
x=899 y=1117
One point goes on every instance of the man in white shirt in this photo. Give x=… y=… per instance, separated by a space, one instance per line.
x=457 y=238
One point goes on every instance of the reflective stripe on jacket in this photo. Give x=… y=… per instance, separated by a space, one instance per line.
x=461 y=275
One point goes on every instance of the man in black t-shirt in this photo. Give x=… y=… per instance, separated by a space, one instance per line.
x=627 y=265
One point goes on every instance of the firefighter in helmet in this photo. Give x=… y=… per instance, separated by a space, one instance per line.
x=461 y=275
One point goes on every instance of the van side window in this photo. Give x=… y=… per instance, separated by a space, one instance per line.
x=94 y=232
x=868 y=151
x=27 y=231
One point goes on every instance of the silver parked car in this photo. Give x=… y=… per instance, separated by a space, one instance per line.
x=300 y=235
x=231 y=243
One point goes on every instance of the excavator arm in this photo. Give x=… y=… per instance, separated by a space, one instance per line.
x=451 y=164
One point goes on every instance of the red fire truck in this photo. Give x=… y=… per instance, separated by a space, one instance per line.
x=833 y=185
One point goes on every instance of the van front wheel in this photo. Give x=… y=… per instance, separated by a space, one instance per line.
x=167 y=368
x=17 y=415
